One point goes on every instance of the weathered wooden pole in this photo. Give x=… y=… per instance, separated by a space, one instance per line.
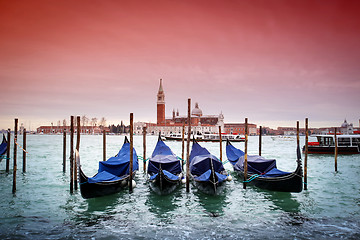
x=245 y=157
x=144 y=147
x=306 y=151
x=297 y=133
x=104 y=145
x=336 y=150
x=64 y=151
x=78 y=131
x=182 y=145
x=188 y=149
x=8 y=151
x=260 y=135
x=24 y=150
x=15 y=152
x=131 y=152
x=71 y=154
x=220 y=139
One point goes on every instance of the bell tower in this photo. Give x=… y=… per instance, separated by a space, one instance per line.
x=160 y=104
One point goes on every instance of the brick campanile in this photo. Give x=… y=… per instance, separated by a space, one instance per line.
x=160 y=105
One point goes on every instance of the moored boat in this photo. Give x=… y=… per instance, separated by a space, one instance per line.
x=206 y=171
x=263 y=172
x=164 y=169
x=207 y=137
x=113 y=174
x=346 y=144
x=3 y=147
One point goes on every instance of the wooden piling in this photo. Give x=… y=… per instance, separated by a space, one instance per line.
x=260 y=141
x=220 y=139
x=144 y=147
x=8 y=151
x=188 y=149
x=297 y=133
x=306 y=151
x=336 y=149
x=64 y=151
x=182 y=145
x=15 y=152
x=131 y=151
x=24 y=150
x=104 y=145
x=245 y=157
x=78 y=131
x=71 y=154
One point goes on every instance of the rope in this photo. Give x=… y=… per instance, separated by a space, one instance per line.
x=184 y=161
x=21 y=147
x=252 y=178
x=142 y=159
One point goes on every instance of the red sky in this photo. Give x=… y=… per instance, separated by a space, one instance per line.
x=273 y=61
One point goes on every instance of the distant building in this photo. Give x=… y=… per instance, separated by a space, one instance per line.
x=60 y=129
x=200 y=123
x=239 y=128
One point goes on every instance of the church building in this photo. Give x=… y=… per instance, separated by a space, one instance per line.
x=173 y=125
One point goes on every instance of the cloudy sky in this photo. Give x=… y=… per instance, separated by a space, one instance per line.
x=273 y=61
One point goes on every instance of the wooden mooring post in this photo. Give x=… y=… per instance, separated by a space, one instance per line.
x=306 y=151
x=64 y=150
x=8 y=151
x=220 y=139
x=131 y=151
x=78 y=131
x=297 y=133
x=336 y=149
x=144 y=148
x=245 y=157
x=71 y=154
x=188 y=149
x=15 y=152
x=260 y=134
x=24 y=150
x=104 y=145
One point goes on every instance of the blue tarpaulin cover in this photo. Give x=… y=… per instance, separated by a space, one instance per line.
x=233 y=153
x=206 y=176
x=256 y=164
x=3 y=146
x=117 y=166
x=275 y=173
x=103 y=177
x=200 y=161
x=168 y=175
x=164 y=157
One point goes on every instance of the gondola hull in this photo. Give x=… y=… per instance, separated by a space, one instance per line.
x=92 y=190
x=3 y=148
x=289 y=183
x=163 y=185
x=331 y=149
x=208 y=187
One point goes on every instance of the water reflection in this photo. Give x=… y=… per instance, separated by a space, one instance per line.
x=288 y=204
x=213 y=205
x=164 y=206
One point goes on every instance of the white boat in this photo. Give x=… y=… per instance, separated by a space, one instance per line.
x=207 y=137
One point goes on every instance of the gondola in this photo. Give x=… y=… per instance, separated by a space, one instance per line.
x=113 y=174
x=263 y=172
x=3 y=148
x=206 y=171
x=164 y=169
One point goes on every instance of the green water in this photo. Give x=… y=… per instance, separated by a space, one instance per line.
x=43 y=207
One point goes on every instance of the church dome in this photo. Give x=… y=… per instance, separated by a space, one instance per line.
x=345 y=124
x=196 y=111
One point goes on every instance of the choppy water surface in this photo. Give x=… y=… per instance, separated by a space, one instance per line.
x=43 y=207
